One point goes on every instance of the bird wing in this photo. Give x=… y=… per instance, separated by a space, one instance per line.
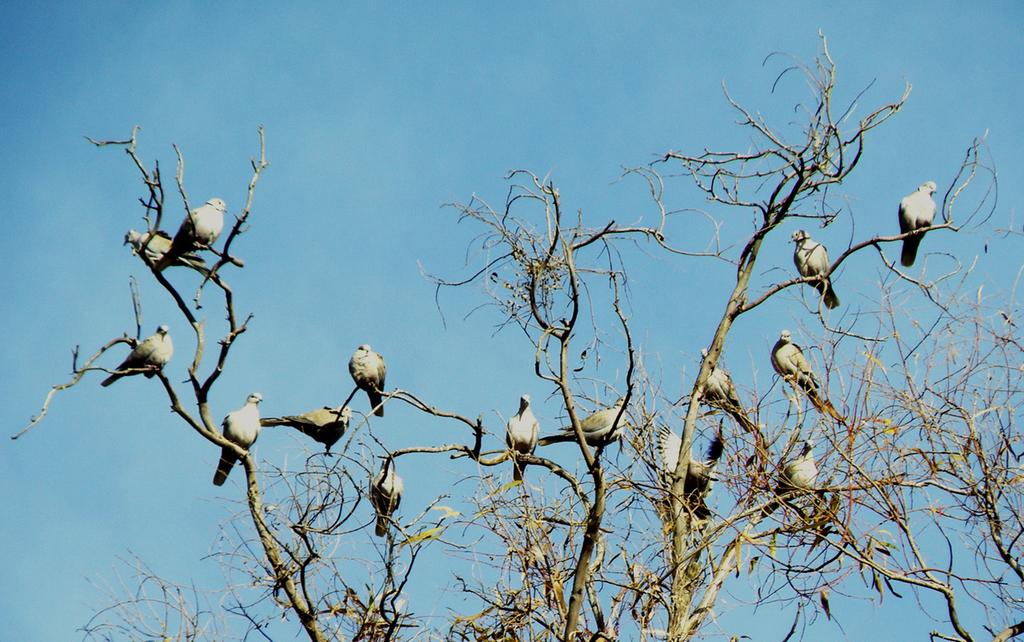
x=382 y=370
x=904 y=216
x=140 y=354
x=321 y=417
x=817 y=259
x=786 y=360
x=669 y=445
x=599 y=423
x=798 y=361
x=777 y=361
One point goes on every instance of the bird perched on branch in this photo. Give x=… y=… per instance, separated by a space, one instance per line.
x=796 y=477
x=155 y=245
x=699 y=474
x=789 y=361
x=386 y=494
x=241 y=427
x=521 y=434
x=800 y=473
x=811 y=260
x=150 y=355
x=368 y=371
x=198 y=231
x=720 y=392
x=325 y=425
x=599 y=429
x=917 y=211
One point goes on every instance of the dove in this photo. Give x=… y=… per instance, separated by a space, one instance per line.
x=150 y=355
x=799 y=473
x=797 y=476
x=789 y=361
x=199 y=230
x=917 y=210
x=325 y=425
x=811 y=260
x=599 y=429
x=521 y=434
x=697 y=483
x=385 y=495
x=367 y=369
x=241 y=427
x=720 y=392
x=155 y=246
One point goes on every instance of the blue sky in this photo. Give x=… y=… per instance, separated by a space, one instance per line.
x=375 y=118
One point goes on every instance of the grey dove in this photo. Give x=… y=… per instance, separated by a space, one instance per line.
x=150 y=355
x=811 y=260
x=368 y=371
x=154 y=246
x=241 y=427
x=521 y=434
x=720 y=392
x=699 y=474
x=800 y=473
x=917 y=211
x=199 y=230
x=386 y=494
x=326 y=425
x=789 y=361
x=797 y=476
x=599 y=429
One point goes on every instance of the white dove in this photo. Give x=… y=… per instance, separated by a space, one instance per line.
x=521 y=434
x=386 y=494
x=368 y=371
x=811 y=260
x=917 y=210
x=152 y=353
x=199 y=230
x=242 y=427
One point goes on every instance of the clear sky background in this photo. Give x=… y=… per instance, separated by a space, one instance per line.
x=375 y=118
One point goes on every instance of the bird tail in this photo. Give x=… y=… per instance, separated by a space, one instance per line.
x=517 y=470
x=227 y=460
x=831 y=300
x=774 y=505
x=382 y=526
x=742 y=419
x=266 y=422
x=831 y=410
x=715 y=449
x=376 y=402
x=825 y=406
x=111 y=379
x=193 y=261
x=783 y=495
x=556 y=439
x=909 y=254
x=824 y=288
